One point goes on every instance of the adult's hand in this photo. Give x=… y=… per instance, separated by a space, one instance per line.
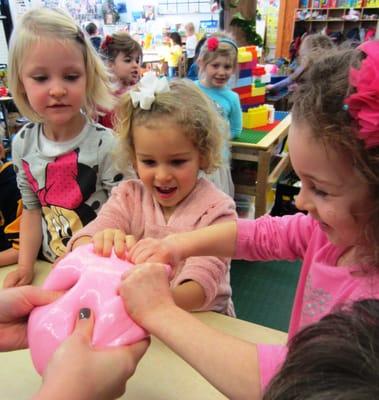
x=80 y=372
x=15 y=306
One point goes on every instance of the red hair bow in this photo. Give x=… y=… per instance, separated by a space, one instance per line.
x=212 y=43
x=107 y=41
x=363 y=105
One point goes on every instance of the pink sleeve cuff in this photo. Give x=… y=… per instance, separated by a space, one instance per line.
x=270 y=359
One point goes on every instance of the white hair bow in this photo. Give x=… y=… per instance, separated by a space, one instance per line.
x=148 y=86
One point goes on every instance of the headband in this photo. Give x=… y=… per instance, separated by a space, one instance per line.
x=213 y=43
x=148 y=87
x=363 y=105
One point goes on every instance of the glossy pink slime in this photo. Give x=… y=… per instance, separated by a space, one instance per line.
x=91 y=281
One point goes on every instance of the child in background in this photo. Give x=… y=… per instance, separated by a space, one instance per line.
x=62 y=159
x=217 y=63
x=10 y=212
x=191 y=42
x=193 y=71
x=123 y=56
x=174 y=54
x=94 y=36
x=312 y=47
x=334 y=148
x=169 y=144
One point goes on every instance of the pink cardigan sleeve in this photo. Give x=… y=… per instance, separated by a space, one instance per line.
x=115 y=213
x=212 y=273
x=270 y=360
x=274 y=238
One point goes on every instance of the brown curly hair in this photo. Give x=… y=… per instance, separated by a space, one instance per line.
x=318 y=102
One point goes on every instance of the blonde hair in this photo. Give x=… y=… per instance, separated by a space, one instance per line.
x=184 y=104
x=190 y=27
x=45 y=23
x=224 y=49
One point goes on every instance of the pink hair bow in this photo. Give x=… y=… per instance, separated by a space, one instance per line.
x=364 y=103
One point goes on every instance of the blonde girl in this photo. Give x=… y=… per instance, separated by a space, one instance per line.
x=217 y=63
x=62 y=158
x=169 y=145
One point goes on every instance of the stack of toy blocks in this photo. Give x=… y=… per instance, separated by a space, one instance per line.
x=251 y=89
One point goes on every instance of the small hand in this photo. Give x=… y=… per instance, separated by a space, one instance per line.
x=144 y=289
x=15 y=306
x=19 y=277
x=155 y=250
x=84 y=372
x=107 y=239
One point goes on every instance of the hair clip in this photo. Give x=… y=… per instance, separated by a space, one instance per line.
x=363 y=104
x=345 y=107
x=107 y=41
x=148 y=87
x=212 y=43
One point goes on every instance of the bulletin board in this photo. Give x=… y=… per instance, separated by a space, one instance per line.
x=166 y=7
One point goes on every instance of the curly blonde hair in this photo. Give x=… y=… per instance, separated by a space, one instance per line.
x=185 y=105
x=319 y=103
x=45 y=23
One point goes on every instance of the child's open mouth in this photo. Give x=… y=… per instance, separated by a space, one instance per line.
x=165 y=191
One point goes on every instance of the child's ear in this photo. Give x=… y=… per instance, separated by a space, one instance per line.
x=204 y=164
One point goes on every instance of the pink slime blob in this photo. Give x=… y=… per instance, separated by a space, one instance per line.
x=92 y=281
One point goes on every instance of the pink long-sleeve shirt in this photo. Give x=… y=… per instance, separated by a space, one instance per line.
x=321 y=286
x=132 y=209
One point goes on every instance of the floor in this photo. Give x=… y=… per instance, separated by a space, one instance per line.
x=263 y=292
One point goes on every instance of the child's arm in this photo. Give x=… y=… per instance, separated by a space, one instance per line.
x=228 y=363
x=189 y=295
x=217 y=240
x=8 y=257
x=235 y=117
x=30 y=243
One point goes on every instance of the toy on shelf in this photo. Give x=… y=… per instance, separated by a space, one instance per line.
x=91 y=282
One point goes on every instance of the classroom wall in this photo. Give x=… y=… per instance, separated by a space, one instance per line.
x=162 y=20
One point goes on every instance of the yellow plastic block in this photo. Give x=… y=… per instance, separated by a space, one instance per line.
x=258 y=91
x=244 y=56
x=254 y=117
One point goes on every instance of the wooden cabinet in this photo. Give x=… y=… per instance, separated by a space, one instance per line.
x=313 y=16
x=315 y=19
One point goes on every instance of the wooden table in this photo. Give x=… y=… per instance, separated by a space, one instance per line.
x=161 y=375
x=262 y=152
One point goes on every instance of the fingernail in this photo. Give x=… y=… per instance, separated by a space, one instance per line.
x=84 y=313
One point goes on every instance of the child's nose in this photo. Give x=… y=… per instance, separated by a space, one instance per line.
x=302 y=202
x=162 y=174
x=57 y=90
